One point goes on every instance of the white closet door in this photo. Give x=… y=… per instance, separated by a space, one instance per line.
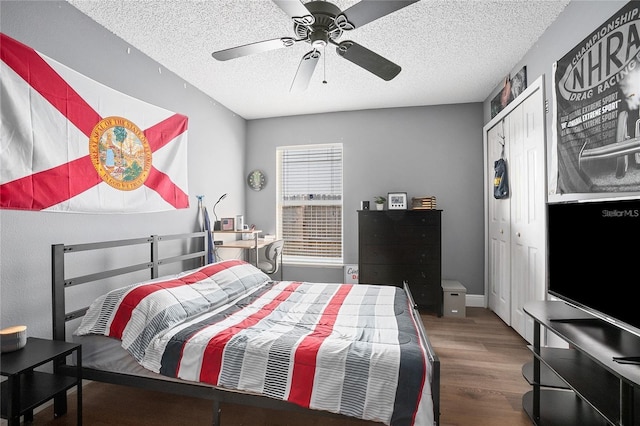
x=499 y=236
x=516 y=226
x=528 y=247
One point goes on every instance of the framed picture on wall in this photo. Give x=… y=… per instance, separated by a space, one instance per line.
x=227 y=223
x=397 y=201
x=512 y=87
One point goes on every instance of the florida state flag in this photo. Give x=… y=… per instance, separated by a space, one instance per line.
x=71 y=144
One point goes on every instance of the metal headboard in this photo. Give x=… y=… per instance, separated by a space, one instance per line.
x=60 y=282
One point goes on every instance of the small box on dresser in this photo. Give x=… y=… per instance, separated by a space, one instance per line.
x=454 y=303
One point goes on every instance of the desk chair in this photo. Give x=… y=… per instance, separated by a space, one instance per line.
x=271 y=263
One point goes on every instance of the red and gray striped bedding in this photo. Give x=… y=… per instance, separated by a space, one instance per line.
x=343 y=348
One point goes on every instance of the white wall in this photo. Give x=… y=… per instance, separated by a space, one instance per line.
x=61 y=32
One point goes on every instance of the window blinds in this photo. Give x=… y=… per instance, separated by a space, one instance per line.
x=310 y=202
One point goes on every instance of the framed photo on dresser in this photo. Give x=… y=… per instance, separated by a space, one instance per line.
x=397 y=201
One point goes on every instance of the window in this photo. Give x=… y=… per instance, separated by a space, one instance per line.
x=309 y=191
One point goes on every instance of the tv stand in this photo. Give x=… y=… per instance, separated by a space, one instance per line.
x=605 y=380
x=627 y=359
x=563 y=312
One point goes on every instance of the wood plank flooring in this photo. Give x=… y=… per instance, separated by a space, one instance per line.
x=481 y=368
x=481 y=385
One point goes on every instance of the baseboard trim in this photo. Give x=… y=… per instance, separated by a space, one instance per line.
x=475 y=300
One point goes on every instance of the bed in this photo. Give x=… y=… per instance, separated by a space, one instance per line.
x=228 y=333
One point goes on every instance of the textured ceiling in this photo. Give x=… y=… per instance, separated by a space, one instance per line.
x=449 y=51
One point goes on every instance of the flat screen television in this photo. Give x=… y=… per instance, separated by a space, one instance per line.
x=594 y=258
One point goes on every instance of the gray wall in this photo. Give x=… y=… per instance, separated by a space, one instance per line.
x=61 y=32
x=431 y=150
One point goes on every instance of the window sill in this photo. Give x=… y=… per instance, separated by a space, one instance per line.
x=313 y=264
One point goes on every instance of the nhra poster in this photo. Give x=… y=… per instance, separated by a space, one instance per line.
x=597 y=98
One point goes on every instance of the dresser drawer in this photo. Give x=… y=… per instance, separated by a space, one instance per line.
x=427 y=296
x=406 y=235
x=397 y=274
x=418 y=218
x=403 y=254
x=377 y=235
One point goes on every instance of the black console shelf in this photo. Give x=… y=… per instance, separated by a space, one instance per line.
x=562 y=408
x=547 y=376
x=601 y=390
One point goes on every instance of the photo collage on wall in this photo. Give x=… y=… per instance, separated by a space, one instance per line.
x=510 y=90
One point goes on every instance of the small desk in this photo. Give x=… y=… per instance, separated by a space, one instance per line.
x=255 y=243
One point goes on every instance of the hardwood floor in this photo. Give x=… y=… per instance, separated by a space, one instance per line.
x=481 y=369
x=481 y=385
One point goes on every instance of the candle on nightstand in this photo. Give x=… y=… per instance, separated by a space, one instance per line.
x=13 y=338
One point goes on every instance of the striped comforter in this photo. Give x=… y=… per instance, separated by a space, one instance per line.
x=348 y=349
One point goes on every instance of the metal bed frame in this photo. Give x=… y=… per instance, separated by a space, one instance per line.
x=60 y=283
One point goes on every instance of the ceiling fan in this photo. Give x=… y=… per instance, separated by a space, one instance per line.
x=320 y=23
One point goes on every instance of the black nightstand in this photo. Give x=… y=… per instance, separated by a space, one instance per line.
x=26 y=389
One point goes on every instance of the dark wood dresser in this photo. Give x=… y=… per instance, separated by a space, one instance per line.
x=395 y=246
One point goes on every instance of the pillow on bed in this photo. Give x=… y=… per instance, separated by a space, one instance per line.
x=137 y=313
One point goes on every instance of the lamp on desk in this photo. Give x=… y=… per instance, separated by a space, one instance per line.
x=216 y=224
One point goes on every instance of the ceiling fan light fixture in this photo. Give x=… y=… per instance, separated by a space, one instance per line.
x=319 y=44
x=319 y=39
x=319 y=22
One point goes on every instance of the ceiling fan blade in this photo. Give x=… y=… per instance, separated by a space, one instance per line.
x=296 y=10
x=305 y=71
x=367 y=11
x=370 y=61
x=249 y=49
